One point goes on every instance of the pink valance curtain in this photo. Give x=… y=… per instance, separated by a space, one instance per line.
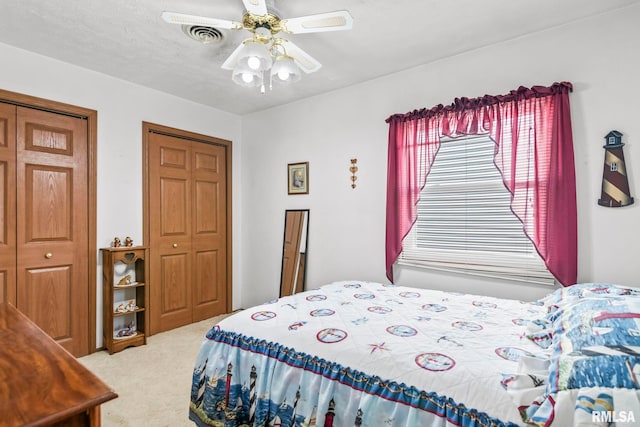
x=534 y=153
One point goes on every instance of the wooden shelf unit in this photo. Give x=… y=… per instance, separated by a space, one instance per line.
x=117 y=264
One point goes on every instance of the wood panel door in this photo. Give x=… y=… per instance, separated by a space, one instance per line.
x=188 y=225
x=209 y=230
x=52 y=225
x=48 y=216
x=7 y=203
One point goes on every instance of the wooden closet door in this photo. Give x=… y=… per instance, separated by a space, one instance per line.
x=209 y=230
x=52 y=225
x=7 y=203
x=170 y=232
x=187 y=230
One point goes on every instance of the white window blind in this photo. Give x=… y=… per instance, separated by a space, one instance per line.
x=465 y=223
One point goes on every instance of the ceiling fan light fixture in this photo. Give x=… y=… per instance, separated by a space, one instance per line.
x=247 y=77
x=265 y=50
x=255 y=56
x=285 y=70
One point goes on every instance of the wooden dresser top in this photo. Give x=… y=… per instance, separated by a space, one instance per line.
x=40 y=382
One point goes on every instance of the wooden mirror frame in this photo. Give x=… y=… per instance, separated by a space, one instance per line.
x=295 y=248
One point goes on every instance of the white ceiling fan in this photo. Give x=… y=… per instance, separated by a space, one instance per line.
x=266 y=50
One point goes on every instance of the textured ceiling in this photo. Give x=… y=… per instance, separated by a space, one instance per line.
x=127 y=39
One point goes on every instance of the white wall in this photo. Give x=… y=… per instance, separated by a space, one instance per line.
x=347 y=226
x=122 y=107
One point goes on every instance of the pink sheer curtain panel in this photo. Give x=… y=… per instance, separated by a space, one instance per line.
x=411 y=154
x=534 y=154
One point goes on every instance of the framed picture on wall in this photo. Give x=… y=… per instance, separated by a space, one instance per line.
x=298 y=180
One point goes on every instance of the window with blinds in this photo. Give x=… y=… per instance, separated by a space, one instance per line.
x=465 y=223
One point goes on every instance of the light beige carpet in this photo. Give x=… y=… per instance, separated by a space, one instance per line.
x=153 y=381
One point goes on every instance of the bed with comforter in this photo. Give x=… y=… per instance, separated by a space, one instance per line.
x=356 y=353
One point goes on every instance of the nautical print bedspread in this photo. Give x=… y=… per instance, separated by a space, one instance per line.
x=590 y=378
x=364 y=354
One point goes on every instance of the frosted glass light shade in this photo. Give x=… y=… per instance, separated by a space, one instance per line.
x=245 y=76
x=285 y=70
x=255 y=56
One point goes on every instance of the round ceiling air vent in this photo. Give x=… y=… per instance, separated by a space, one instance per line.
x=203 y=34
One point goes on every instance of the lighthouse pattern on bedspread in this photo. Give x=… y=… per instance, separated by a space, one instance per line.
x=363 y=354
x=219 y=402
x=593 y=340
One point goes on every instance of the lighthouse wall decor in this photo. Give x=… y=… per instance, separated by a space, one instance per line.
x=615 y=184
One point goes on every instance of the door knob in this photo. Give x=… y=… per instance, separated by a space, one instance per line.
x=175 y=245
x=48 y=255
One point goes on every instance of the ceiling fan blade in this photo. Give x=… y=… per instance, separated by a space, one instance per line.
x=330 y=21
x=181 y=18
x=306 y=62
x=255 y=7
x=230 y=62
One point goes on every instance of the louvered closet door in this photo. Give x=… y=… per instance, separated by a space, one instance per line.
x=187 y=227
x=52 y=225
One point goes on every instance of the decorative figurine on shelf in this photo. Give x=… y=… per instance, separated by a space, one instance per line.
x=128 y=241
x=129 y=330
x=126 y=307
x=126 y=280
x=116 y=242
x=615 y=185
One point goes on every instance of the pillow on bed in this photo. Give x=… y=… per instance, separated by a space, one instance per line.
x=596 y=343
x=542 y=331
x=586 y=290
x=593 y=336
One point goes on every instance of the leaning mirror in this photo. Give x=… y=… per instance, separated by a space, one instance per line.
x=294 y=251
